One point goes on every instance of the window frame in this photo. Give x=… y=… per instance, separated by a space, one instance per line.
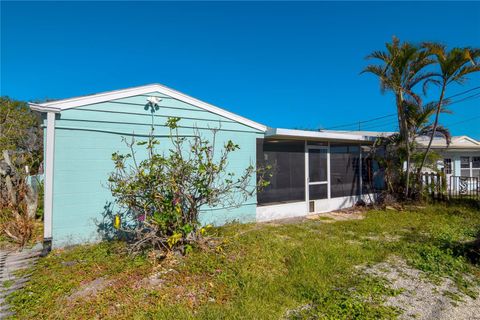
x=447 y=168
x=313 y=184
x=470 y=167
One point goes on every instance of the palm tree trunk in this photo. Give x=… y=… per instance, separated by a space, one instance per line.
x=404 y=133
x=435 y=125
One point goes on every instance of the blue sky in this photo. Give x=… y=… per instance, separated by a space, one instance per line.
x=284 y=64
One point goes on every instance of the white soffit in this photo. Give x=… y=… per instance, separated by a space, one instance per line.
x=60 y=105
x=304 y=134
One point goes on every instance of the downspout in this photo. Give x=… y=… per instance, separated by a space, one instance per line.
x=48 y=192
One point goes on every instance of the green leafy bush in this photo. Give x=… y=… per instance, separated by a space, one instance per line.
x=161 y=196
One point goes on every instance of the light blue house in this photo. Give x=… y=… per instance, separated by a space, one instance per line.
x=314 y=171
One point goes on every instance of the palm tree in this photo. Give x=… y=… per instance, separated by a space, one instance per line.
x=454 y=66
x=419 y=117
x=401 y=69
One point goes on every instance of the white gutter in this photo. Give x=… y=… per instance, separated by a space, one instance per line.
x=304 y=134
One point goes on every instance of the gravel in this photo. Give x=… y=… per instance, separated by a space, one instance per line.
x=423 y=299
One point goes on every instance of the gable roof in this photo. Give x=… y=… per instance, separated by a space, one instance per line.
x=65 y=104
x=465 y=140
x=457 y=142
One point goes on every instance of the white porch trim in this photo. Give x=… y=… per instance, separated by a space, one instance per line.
x=300 y=209
x=49 y=163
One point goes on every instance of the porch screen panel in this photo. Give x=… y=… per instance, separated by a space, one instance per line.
x=317 y=191
x=287 y=159
x=317 y=163
x=344 y=170
x=373 y=176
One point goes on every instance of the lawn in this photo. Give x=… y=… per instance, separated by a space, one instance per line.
x=307 y=269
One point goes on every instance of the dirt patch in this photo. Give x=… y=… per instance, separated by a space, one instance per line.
x=90 y=289
x=423 y=299
x=156 y=280
x=335 y=216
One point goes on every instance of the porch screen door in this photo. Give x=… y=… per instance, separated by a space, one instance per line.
x=317 y=172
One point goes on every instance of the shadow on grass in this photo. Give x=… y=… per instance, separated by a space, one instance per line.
x=469 y=203
x=470 y=250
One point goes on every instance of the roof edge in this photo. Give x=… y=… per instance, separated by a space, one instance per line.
x=65 y=104
x=41 y=108
x=304 y=134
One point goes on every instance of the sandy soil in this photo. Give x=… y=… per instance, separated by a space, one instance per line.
x=423 y=299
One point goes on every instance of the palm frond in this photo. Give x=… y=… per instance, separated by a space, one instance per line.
x=374 y=69
x=440 y=131
x=422 y=77
x=380 y=55
x=429 y=81
x=460 y=76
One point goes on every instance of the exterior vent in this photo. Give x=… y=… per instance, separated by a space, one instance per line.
x=311 y=206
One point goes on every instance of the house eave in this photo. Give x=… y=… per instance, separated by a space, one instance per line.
x=281 y=133
x=43 y=108
x=61 y=105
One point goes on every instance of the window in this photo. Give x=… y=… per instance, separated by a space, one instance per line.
x=447 y=166
x=470 y=167
x=476 y=167
x=344 y=170
x=465 y=166
x=287 y=159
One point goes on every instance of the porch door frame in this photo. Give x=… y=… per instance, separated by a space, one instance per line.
x=308 y=183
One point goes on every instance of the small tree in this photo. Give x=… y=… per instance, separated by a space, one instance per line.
x=161 y=196
x=21 y=152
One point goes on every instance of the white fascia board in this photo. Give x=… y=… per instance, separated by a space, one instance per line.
x=66 y=104
x=303 y=134
x=40 y=108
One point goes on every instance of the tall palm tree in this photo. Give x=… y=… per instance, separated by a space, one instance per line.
x=401 y=68
x=454 y=66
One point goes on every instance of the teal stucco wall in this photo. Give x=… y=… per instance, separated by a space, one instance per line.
x=86 y=137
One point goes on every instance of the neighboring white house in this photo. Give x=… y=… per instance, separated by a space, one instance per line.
x=460 y=163
x=460 y=158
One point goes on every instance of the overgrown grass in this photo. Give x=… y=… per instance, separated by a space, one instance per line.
x=301 y=270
